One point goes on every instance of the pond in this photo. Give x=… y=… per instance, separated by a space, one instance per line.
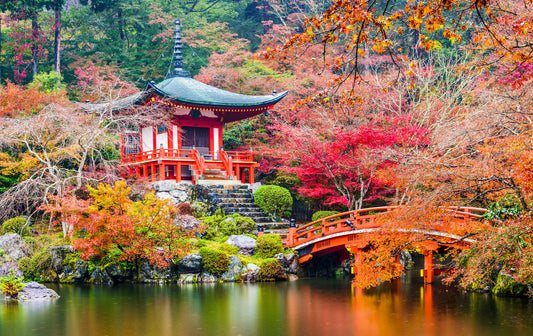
x=304 y=307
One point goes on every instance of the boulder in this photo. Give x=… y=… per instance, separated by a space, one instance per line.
x=58 y=254
x=188 y=221
x=188 y=278
x=14 y=246
x=118 y=274
x=283 y=261
x=406 y=260
x=35 y=291
x=191 y=263
x=165 y=196
x=165 y=186
x=294 y=264
x=245 y=244
x=207 y=277
x=100 y=277
x=153 y=274
x=234 y=269
x=81 y=271
x=250 y=272
x=7 y=267
x=179 y=196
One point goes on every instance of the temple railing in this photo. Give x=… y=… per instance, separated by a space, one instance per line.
x=199 y=161
x=228 y=162
x=184 y=154
x=241 y=156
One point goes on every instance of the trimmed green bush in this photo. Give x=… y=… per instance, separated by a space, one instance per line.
x=322 y=214
x=214 y=261
x=16 y=225
x=220 y=225
x=268 y=245
x=271 y=270
x=274 y=199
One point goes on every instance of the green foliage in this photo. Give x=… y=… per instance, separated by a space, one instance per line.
x=220 y=225
x=48 y=82
x=271 y=270
x=268 y=245
x=199 y=209
x=274 y=199
x=214 y=261
x=11 y=285
x=508 y=207
x=36 y=266
x=322 y=214
x=17 y=225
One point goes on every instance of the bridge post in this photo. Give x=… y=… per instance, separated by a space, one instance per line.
x=260 y=230
x=429 y=267
x=292 y=231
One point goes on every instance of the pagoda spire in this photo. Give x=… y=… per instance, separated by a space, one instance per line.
x=178 y=58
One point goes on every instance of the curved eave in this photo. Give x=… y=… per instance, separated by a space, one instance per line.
x=227 y=99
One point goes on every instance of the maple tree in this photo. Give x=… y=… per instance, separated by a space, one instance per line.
x=110 y=223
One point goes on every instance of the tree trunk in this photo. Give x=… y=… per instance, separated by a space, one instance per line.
x=34 y=48
x=57 y=39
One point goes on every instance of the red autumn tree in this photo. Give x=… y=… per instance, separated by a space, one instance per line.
x=110 y=223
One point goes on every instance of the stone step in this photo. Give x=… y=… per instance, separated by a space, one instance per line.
x=235 y=200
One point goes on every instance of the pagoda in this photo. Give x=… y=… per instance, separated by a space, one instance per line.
x=189 y=146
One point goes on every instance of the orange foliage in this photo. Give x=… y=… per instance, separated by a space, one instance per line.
x=18 y=101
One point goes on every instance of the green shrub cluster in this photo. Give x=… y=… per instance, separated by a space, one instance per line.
x=36 y=266
x=220 y=225
x=322 y=214
x=16 y=225
x=271 y=270
x=214 y=261
x=268 y=245
x=274 y=199
x=11 y=285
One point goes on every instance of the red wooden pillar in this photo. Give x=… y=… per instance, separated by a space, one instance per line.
x=145 y=171
x=162 y=172
x=178 y=172
x=243 y=175
x=429 y=267
x=251 y=175
x=153 y=172
x=237 y=172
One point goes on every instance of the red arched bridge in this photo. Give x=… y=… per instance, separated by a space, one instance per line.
x=344 y=232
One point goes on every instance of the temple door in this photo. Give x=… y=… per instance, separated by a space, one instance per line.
x=197 y=137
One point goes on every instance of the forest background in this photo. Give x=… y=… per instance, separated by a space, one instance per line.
x=421 y=104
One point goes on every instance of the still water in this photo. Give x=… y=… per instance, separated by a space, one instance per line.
x=303 y=307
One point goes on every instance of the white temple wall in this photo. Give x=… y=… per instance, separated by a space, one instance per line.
x=147 y=134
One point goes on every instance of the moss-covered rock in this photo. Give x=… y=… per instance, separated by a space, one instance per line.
x=268 y=245
x=271 y=270
x=506 y=285
x=214 y=261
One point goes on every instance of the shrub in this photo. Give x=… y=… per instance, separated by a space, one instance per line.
x=11 y=285
x=17 y=225
x=274 y=199
x=185 y=209
x=220 y=225
x=268 y=245
x=36 y=266
x=199 y=209
x=271 y=270
x=322 y=214
x=214 y=261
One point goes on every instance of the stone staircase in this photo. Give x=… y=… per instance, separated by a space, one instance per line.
x=239 y=199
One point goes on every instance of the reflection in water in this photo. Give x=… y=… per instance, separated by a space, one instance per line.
x=305 y=307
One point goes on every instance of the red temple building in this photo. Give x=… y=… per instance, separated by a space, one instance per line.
x=190 y=146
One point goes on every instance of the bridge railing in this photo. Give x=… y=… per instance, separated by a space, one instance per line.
x=364 y=219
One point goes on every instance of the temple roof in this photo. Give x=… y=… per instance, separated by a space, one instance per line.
x=189 y=91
